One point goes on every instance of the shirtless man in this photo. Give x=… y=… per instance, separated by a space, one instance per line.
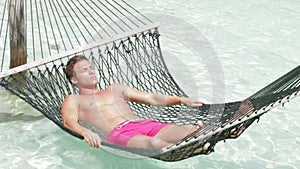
x=108 y=110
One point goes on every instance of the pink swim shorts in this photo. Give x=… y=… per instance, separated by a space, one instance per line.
x=121 y=134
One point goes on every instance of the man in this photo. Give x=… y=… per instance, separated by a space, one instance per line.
x=108 y=110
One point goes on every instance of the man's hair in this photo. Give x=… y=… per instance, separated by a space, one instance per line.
x=69 y=70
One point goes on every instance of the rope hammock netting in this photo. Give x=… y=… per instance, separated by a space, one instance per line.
x=124 y=47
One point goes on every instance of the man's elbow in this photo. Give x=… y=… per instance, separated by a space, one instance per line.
x=67 y=124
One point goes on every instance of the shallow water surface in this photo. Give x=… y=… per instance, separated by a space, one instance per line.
x=251 y=42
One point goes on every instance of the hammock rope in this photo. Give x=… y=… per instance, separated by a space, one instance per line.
x=123 y=45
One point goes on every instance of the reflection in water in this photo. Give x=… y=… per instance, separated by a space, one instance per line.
x=8 y=117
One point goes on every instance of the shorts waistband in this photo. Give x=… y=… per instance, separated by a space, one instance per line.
x=124 y=123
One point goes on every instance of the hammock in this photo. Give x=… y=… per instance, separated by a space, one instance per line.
x=124 y=47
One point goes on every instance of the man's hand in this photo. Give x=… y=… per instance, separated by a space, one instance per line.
x=191 y=102
x=91 y=138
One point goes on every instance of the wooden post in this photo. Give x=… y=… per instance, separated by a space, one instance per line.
x=17 y=33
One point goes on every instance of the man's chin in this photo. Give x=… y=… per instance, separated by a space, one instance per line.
x=94 y=81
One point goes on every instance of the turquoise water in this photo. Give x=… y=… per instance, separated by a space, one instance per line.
x=252 y=44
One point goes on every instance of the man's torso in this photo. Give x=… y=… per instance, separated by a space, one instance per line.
x=104 y=110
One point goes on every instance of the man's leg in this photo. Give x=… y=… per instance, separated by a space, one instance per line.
x=165 y=137
x=142 y=141
x=175 y=133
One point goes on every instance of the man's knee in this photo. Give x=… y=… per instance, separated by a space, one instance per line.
x=158 y=143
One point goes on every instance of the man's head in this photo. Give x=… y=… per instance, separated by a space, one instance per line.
x=80 y=72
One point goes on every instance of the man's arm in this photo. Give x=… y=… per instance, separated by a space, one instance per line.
x=70 y=120
x=155 y=99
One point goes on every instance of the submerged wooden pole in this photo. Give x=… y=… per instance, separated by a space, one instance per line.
x=17 y=33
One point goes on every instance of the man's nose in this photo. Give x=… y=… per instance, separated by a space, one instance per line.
x=91 y=70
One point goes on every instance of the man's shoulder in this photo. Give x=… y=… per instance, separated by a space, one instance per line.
x=71 y=97
x=117 y=87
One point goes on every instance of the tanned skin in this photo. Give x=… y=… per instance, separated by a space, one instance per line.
x=108 y=108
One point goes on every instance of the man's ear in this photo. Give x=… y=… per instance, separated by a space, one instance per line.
x=73 y=80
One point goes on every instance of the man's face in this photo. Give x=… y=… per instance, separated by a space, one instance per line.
x=85 y=75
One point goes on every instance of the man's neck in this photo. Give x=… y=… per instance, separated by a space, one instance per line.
x=86 y=91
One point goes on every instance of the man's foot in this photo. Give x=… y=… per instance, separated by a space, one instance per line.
x=237 y=131
x=234 y=132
